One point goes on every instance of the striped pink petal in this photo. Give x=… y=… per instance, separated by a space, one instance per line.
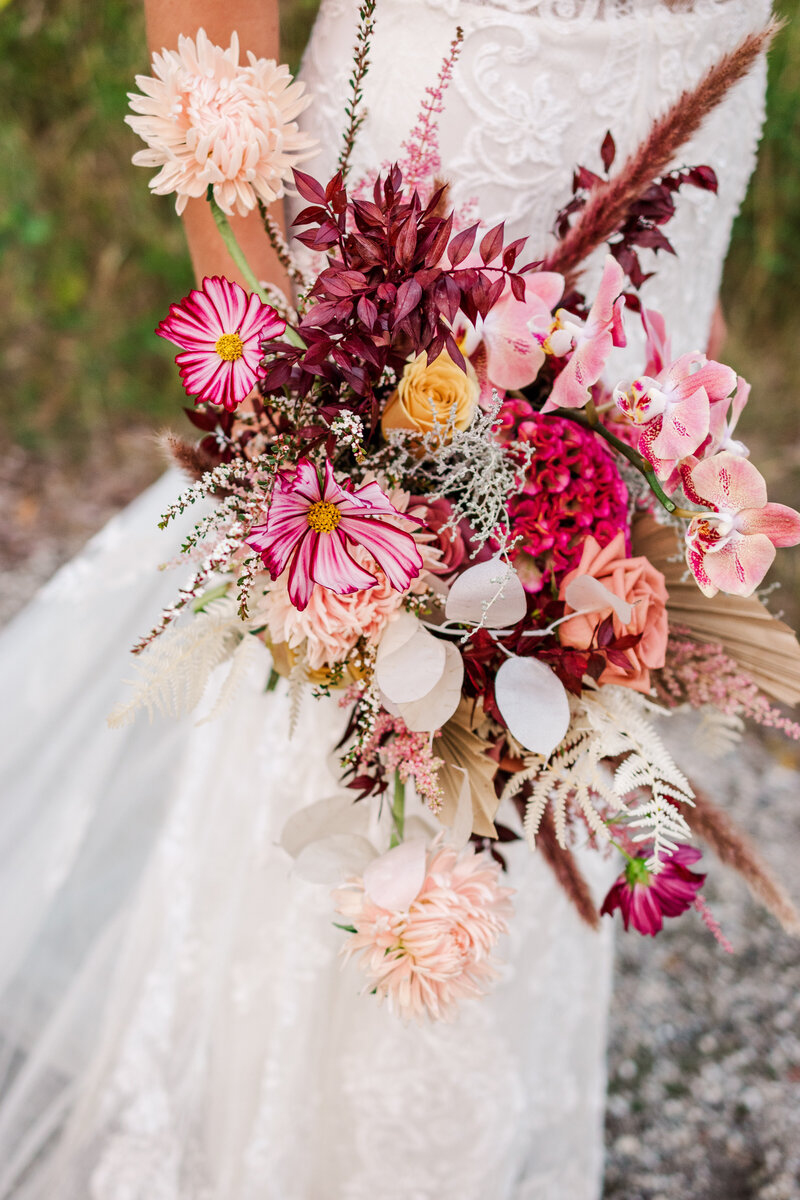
x=334 y=568
x=301 y=582
x=394 y=551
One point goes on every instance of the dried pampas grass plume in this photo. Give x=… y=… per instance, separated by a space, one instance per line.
x=735 y=849
x=562 y=862
x=609 y=202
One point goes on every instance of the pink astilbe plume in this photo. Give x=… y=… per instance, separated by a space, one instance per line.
x=420 y=160
x=221 y=329
x=703 y=674
x=427 y=957
x=208 y=121
x=310 y=524
x=392 y=744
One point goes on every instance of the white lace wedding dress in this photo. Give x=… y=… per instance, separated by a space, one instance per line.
x=175 y=1019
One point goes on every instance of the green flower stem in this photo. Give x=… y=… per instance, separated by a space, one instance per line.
x=398 y=809
x=589 y=419
x=237 y=254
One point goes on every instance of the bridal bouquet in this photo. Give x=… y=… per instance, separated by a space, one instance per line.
x=430 y=501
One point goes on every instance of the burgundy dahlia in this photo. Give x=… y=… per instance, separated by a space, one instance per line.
x=572 y=488
x=645 y=899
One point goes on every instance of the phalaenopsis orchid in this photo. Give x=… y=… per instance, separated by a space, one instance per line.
x=441 y=496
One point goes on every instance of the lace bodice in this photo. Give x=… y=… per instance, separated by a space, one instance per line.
x=538 y=84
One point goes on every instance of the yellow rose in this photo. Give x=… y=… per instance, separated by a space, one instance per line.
x=438 y=392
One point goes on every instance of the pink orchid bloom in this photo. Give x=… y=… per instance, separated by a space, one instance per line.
x=589 y=343
x=310 y=524
x=658 y=342
x=500 y=346
x=220 y=328
x=731 y=548
x=674 y=408
x=724 y=418
x=645 y=899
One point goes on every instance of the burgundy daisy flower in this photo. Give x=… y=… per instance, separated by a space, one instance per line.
x=310 y=524
x=220 y=329
x=645 y=899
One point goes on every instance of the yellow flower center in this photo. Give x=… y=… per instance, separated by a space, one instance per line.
x=229 y=347
x=323 y=517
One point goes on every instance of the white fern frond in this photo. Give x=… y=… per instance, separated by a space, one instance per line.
x=298 y=679
x=243 y=657
x=607 y=724
x=172 y=672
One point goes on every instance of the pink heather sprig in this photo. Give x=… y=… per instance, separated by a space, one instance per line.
x=704 y=674
x=711 y=923
x=421 y=159
x=410 y=754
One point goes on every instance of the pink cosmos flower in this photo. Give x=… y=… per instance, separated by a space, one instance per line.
x=732 y=548
x=310 y=524
x=588 y=343
x=209 y=121
x=500 y=346
x=674 y=408
x=220 y=328
x=437 y=951
x=645 y=899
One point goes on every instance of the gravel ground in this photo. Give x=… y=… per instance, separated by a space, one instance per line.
x=704 y=1059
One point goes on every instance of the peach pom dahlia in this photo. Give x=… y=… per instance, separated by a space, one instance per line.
x=438 y=951
x=209 y=121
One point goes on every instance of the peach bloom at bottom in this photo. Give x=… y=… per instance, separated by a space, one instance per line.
x=642 y=585
x=439 y=951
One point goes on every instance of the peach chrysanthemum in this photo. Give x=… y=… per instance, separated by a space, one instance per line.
x=331 y=624
x=438 y=951
x=208 y=120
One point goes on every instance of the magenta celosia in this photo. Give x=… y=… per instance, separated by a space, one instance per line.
x=645 y=898
x=572 y=489
x=438 y=951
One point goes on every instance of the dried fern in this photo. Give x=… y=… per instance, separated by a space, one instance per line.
x=609 y=724
x=173 y=671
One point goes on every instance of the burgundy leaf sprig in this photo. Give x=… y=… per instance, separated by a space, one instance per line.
x=397 y=275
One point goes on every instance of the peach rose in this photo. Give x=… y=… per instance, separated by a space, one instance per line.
x=637 y=581
x=432 y=392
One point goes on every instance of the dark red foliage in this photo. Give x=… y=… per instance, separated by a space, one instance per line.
x=642 y=227
x=394 y=282
x=483 y=657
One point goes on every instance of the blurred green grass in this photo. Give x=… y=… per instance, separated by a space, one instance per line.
x=91 y=260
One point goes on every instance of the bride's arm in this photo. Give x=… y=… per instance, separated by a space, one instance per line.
x=256 y=22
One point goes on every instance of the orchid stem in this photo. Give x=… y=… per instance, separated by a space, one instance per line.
x=589 y=419
x=398 y=810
